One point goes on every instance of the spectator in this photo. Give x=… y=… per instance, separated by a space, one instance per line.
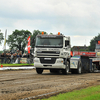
x=24 y=55
x=28 y=58
x=2 y=58
x=12 y=58
x=19 y=56
x=5 y=57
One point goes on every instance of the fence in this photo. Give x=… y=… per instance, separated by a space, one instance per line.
x=8 y=60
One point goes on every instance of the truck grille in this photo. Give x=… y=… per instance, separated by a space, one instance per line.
x=48 y=53
x=46 y=61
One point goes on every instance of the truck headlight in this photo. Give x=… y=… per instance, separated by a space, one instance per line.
x=60 y=61
x=36 y=60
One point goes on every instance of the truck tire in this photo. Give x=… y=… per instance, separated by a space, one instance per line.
x=66 y=70
x=39 y=71
x=79 y=70
x=52 y=71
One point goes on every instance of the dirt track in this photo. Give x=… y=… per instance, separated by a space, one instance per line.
x=20 y=84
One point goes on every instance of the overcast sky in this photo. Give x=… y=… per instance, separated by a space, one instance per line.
x=79 y=19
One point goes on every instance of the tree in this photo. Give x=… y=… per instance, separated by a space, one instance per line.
x=1 y=52
x=18 y=39
x=93 y=42
x=33 y=37
x=1 y=37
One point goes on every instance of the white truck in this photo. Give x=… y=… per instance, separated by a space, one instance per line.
x=52 y=52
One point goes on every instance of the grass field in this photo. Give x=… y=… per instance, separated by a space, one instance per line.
x=16 y=65
x=90 y=93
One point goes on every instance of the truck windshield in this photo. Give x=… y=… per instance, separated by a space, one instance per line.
x=49 y=42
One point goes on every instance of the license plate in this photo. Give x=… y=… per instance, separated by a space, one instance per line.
x=47 y=58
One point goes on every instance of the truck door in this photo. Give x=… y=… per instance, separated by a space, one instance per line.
x=67 y=48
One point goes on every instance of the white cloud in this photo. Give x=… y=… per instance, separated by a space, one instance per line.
x=81 y=40
x=70 y=17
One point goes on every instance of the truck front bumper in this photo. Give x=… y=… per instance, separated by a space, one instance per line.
x=59 y=64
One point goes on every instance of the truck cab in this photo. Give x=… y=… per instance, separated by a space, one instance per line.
x=52 y=52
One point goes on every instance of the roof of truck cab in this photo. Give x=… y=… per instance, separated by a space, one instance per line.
x=45 y=35
x=48 y=35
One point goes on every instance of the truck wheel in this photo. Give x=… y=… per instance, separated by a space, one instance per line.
x=51 y=71
x=39 y=71
x=79 y=70
x=66 y=70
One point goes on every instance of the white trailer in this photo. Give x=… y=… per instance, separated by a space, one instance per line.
x=80 y=64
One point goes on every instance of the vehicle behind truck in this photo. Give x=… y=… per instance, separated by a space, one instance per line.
x=52 y=52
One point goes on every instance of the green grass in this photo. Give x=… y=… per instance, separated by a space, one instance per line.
x=16 y=65
x=90 y=93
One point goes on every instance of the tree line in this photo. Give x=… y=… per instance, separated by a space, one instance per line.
x=18 y=39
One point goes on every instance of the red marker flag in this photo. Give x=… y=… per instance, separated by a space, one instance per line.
x=1 y=66
x=28 y=45
x=98 y=42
